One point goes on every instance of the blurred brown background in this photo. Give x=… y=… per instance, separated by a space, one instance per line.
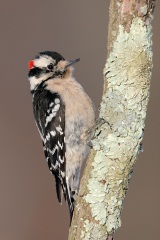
x=28 y=205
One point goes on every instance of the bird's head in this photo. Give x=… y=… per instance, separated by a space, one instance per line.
x=48 y=65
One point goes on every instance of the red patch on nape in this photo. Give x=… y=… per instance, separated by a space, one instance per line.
x=30 y=64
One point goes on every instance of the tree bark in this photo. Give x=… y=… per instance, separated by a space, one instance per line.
x=118 y=141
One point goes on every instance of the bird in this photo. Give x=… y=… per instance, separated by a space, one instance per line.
x=65 y=116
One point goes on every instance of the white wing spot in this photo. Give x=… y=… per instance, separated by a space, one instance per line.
x=54 y=166
x=48 y=136
x=59 y=129
x=53 y=114
x=53 y=133
x=49 y=118
x=56 y=108
x=61 y=159
x=51 y=104
x=52 y=151
x=57 y=100
x=60 y=145
x=62 y=174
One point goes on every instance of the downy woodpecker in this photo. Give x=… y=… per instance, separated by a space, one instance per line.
x=64 y=115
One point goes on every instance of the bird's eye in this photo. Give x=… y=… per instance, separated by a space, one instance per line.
x=50 y=66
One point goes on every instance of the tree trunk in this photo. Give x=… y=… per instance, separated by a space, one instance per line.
x=118 y=141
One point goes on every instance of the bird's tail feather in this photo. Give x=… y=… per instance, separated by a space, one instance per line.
x=68 y=195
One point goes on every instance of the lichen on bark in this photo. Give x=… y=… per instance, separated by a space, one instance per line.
x=127 y=76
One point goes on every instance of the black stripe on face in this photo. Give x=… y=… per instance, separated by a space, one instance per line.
x=36 y=72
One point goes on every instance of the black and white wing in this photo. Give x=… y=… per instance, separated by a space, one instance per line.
x=49 y=112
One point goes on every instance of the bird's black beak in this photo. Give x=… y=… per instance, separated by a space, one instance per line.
x=70 y=63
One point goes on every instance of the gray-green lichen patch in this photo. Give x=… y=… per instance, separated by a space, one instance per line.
x=91 y=232
x=128 y=73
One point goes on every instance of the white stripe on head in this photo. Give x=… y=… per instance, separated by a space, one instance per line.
x=43 y=61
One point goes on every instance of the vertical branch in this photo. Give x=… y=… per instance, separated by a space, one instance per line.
x=127 y=76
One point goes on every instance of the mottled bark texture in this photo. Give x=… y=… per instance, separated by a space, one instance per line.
x=127 y=76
